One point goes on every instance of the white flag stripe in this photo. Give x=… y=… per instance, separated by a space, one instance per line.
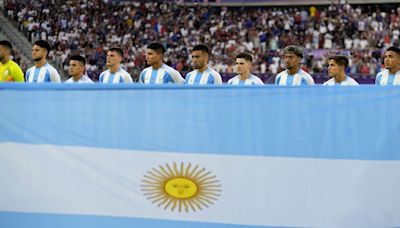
x=269 y=191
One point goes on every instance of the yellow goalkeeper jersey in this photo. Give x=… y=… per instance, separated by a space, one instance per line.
x=11 y=72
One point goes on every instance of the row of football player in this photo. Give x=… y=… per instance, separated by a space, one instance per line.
x=160 y=73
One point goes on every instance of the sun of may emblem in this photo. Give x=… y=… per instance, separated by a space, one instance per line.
x=180 y=187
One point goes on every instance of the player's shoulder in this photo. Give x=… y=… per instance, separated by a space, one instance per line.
x=146 y=69
x=329 y=82
x=281 y=73
x=214 y=72
x=169 y=69
x=382 y=72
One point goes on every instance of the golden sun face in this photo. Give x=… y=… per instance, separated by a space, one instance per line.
x=181 y=188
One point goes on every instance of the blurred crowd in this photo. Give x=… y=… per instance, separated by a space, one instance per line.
x=90 y=27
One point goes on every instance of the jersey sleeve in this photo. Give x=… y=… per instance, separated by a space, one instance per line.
x=177 y=77
x=217 y=78
x=259 y=81
x=378 y=79
x=54 y=76
x=27 y=73
x=141 y=77
x=127 y=78
x=309 y=80
x=17 y=74
x=101 y=77
x=277 y=79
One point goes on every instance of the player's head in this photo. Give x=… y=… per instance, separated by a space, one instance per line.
x=5 y=49
x=244 y=63
x=292 y=56
x=337 y=65
x=114 y=57
x=76 y=65
x=40 y=50
x=154 y=53
x=392 y=58
x=200 y=56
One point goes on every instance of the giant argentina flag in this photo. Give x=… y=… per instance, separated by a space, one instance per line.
x=175 y=156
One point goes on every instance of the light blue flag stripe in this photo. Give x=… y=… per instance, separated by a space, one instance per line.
x=23 y=220
x=317 y=122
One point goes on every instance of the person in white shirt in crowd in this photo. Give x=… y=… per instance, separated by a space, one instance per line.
x=244 y=63
x=77 y=70
x=337 y=65
x=115 y=74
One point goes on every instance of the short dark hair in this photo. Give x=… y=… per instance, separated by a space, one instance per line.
x=293 y=49
x=245 y=55
x=43 y=44
x=341 y=60
x=395 y=49
x=6 y=44
x=201 y=47
x=159 y=48
x=78 y=58
x=118 y=50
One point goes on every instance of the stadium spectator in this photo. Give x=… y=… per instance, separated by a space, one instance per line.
x=203 y=74
x=41 y=71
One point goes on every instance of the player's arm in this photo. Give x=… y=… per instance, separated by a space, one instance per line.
x=54 y=76
x=217 y=79
x=378 y=79
x=141 y=77
x=128 y=78
x=17 y=74
x=177 y=77
x=310 y=80
x=259 y=81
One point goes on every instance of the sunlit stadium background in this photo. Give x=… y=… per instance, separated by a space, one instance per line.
x=359 y=29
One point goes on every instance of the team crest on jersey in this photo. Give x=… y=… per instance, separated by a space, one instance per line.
x=180 y=187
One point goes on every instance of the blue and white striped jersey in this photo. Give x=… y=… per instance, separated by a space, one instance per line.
x=83 y=79
x=45 y=73
x=251 y=80
x=299 y=78
x=121 y=76
x=384 y=78
x=165 y=74
x=347 y=82
x=209 y=76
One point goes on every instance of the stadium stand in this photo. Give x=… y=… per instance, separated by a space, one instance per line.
x=360 y=31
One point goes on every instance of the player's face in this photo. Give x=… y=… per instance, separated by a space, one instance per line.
x=291 y=61
x=333 y=68
x=199 y=59
x=113 y=58
x=392 y=60
x=38 y=53
x=243 y=66
x=152 y=57
x=76 y=68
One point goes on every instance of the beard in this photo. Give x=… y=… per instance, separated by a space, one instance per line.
x=37 y=59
